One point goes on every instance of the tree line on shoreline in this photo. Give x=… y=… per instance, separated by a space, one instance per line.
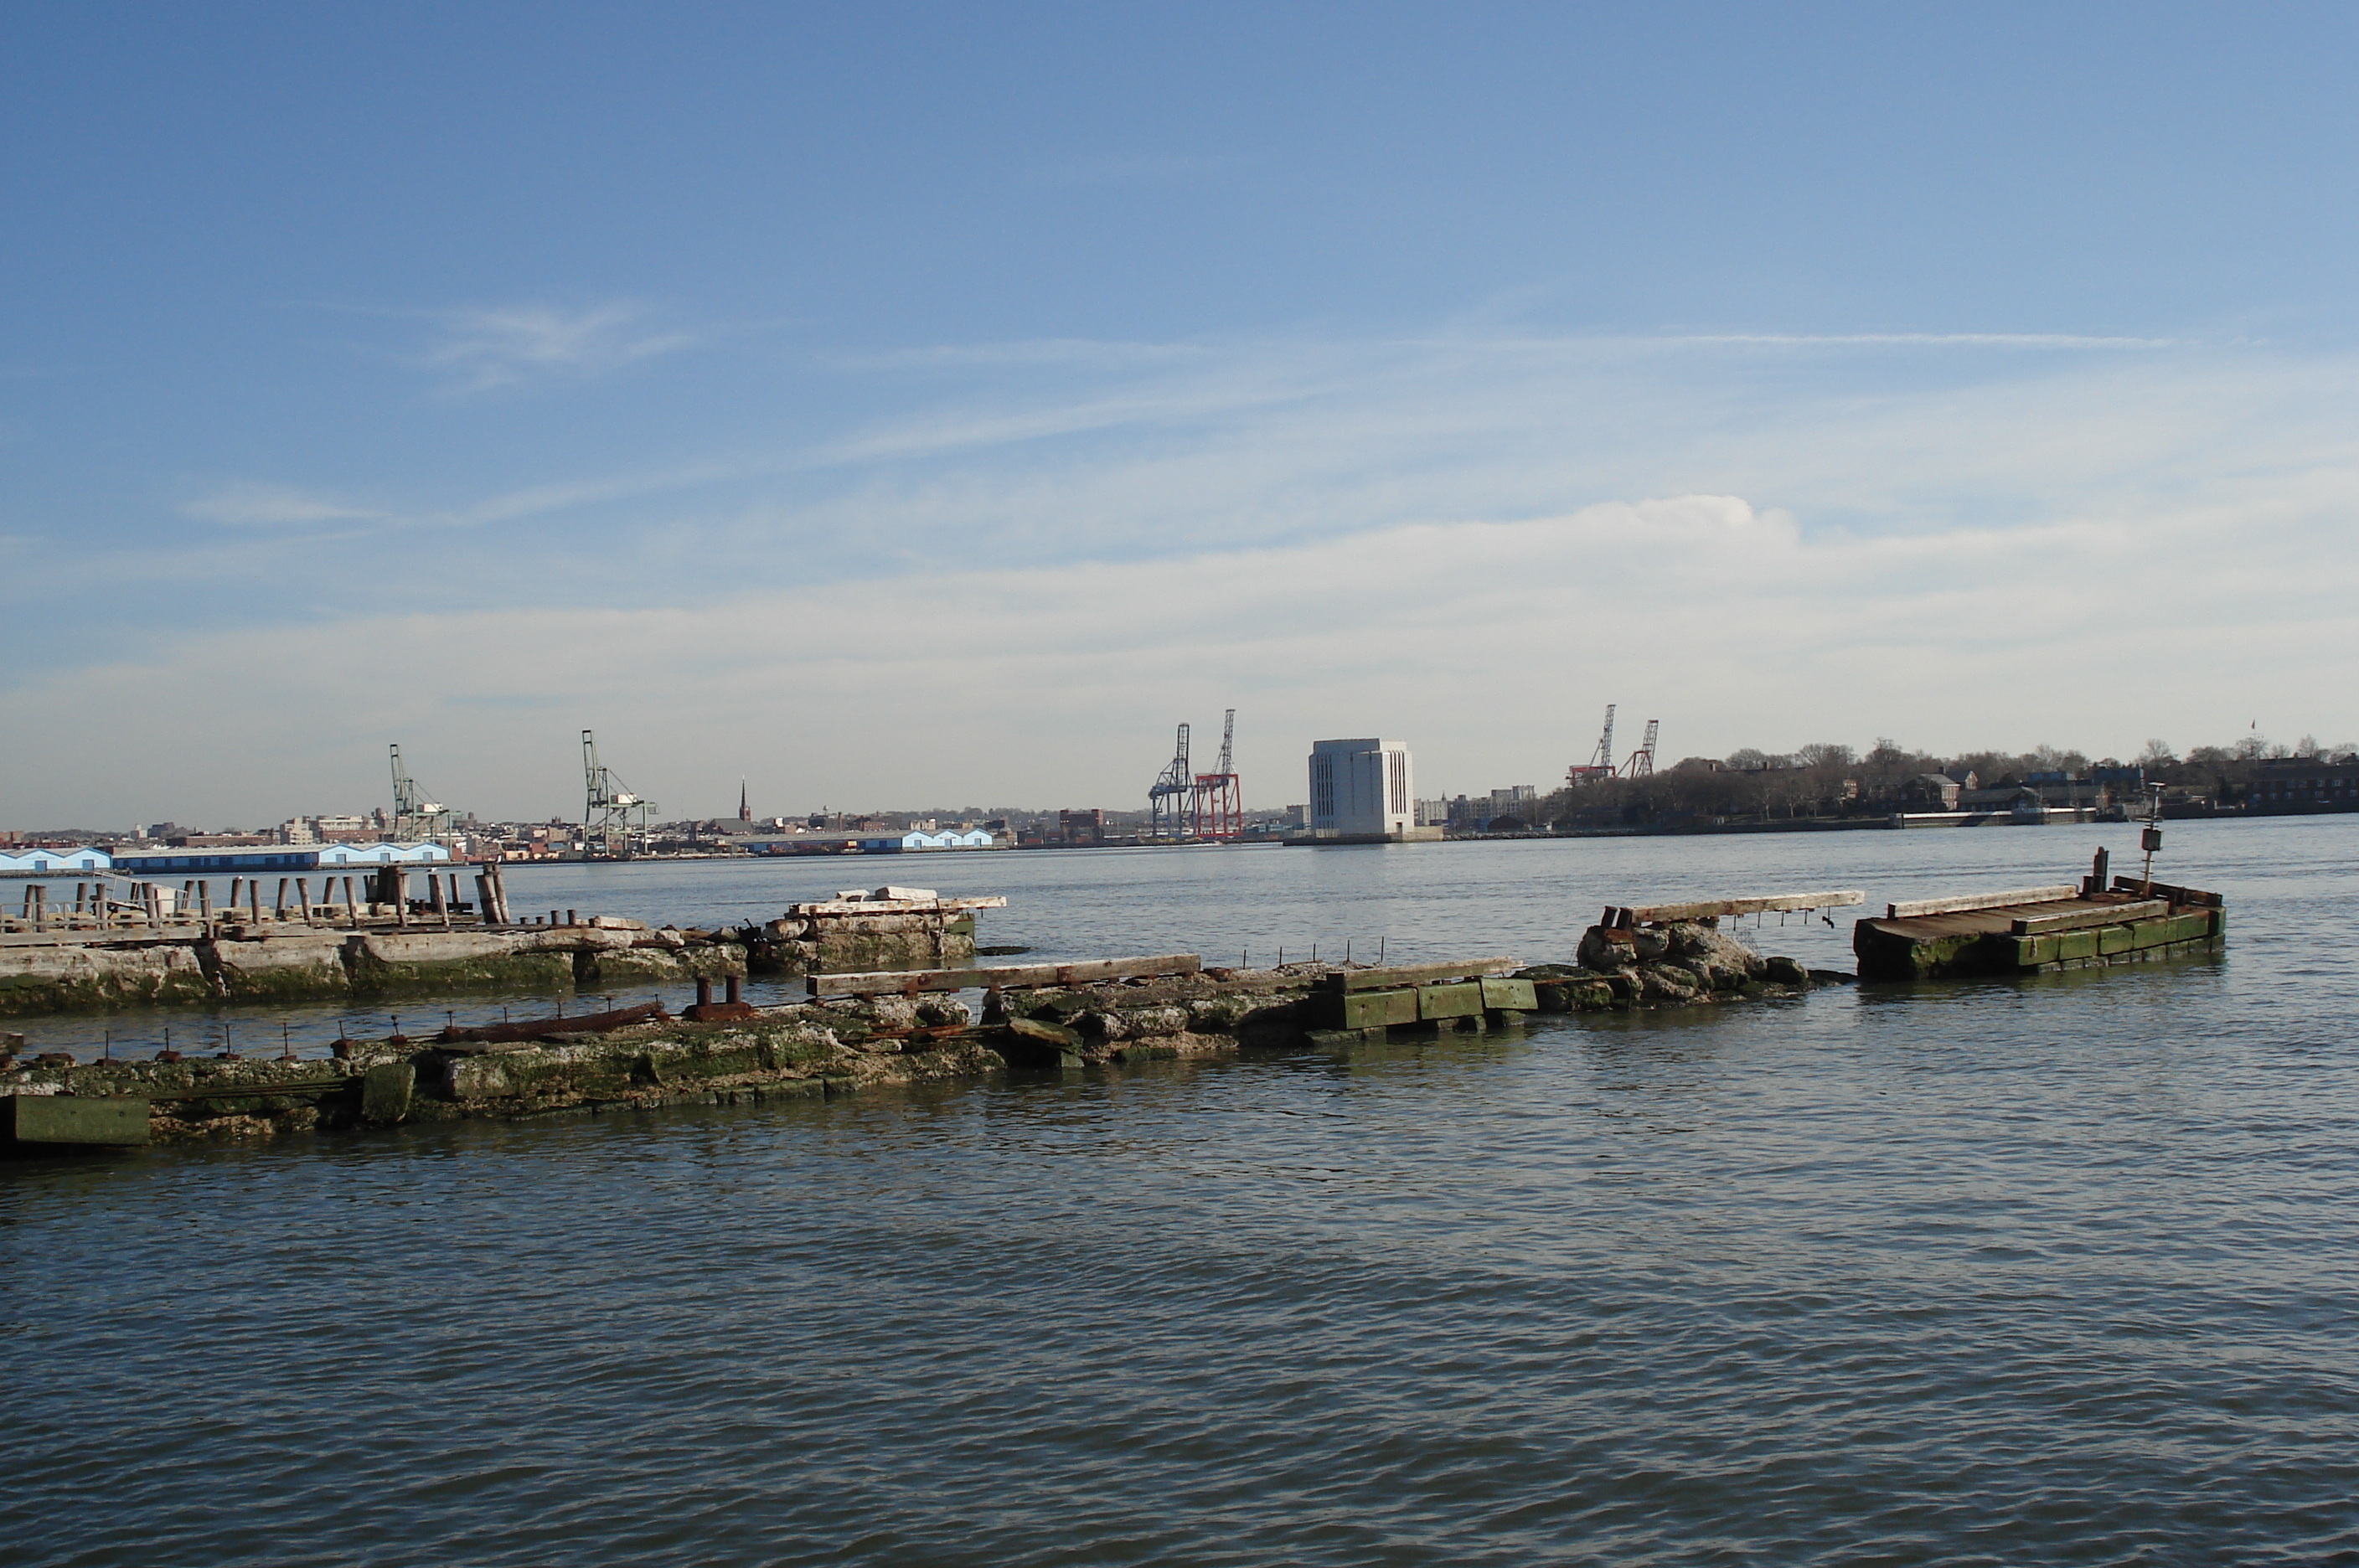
x=1827 y=778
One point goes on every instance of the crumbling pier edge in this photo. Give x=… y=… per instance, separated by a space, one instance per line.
x=2032 y=931
x=871 y=1032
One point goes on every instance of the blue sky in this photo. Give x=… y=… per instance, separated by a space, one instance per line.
x=930 y=405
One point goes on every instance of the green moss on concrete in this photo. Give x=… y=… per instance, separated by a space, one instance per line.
x=103 y=991
x=518 y=971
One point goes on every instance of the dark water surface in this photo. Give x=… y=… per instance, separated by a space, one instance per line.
x=2058 y=1271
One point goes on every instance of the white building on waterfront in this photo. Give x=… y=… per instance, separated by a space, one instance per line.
x=1362 y=790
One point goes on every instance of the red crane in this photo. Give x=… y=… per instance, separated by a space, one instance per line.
x=1218 y=808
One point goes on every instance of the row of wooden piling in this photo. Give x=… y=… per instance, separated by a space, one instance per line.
x=94 y=910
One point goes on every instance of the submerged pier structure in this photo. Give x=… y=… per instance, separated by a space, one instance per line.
x=2029 y=930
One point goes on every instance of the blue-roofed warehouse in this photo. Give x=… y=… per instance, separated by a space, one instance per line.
x=276 y=858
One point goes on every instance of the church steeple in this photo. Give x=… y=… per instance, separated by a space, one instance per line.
x=744 y=811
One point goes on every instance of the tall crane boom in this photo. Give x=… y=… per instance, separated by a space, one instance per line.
x=414 y=818
x=1168 y=798
x=1600 y=762
x=608 y=807
x=1641 y=763
x=1218 y=810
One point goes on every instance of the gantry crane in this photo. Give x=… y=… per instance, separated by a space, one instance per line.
x=1218 y=808
x=1600 y=762
x=606 y=815
x=1168 y=798
x=1641 y=762
x=414 y=820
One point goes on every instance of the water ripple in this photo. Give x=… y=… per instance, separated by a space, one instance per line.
x=2056 y=1272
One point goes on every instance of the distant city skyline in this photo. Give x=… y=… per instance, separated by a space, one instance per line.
x=904 y=402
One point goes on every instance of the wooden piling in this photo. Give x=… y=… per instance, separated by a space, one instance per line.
x=278 y=909
x=303 y=898
x=441 y=906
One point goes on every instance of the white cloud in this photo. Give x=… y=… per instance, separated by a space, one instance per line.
x=1011 y=592
x=486 y=347
x=1489 y=645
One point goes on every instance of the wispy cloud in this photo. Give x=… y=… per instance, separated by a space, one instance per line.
x=272 y=506
x=485 y=347
x=1488 y=644
x=1919 y=339
x=1423 y=532
x=1099 y=353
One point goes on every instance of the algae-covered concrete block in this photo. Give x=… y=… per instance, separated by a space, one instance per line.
x=1372 y=1009
x=112 y=1122
x=1513 y=995
x=1463 y=1000
x=386 y=1091
x=2075 y=944
x=1035 y=1042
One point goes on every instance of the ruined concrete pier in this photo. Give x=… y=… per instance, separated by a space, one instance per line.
x=2035 y=930
x=167 y=963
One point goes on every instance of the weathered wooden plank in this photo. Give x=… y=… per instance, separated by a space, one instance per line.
x=1415 y=973
x=911 y=981
x=533 y=1028
x=1712 y=908
x=2194 y=896
x=894 y=906
x=2095 y=915
x=249 y=1091
x=1964 y=901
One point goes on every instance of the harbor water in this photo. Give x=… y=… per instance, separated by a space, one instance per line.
x=2060 y=1269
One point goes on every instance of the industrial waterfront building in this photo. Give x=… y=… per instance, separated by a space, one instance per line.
x=282 y=858
x=39 y=860
x=1363 y=792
